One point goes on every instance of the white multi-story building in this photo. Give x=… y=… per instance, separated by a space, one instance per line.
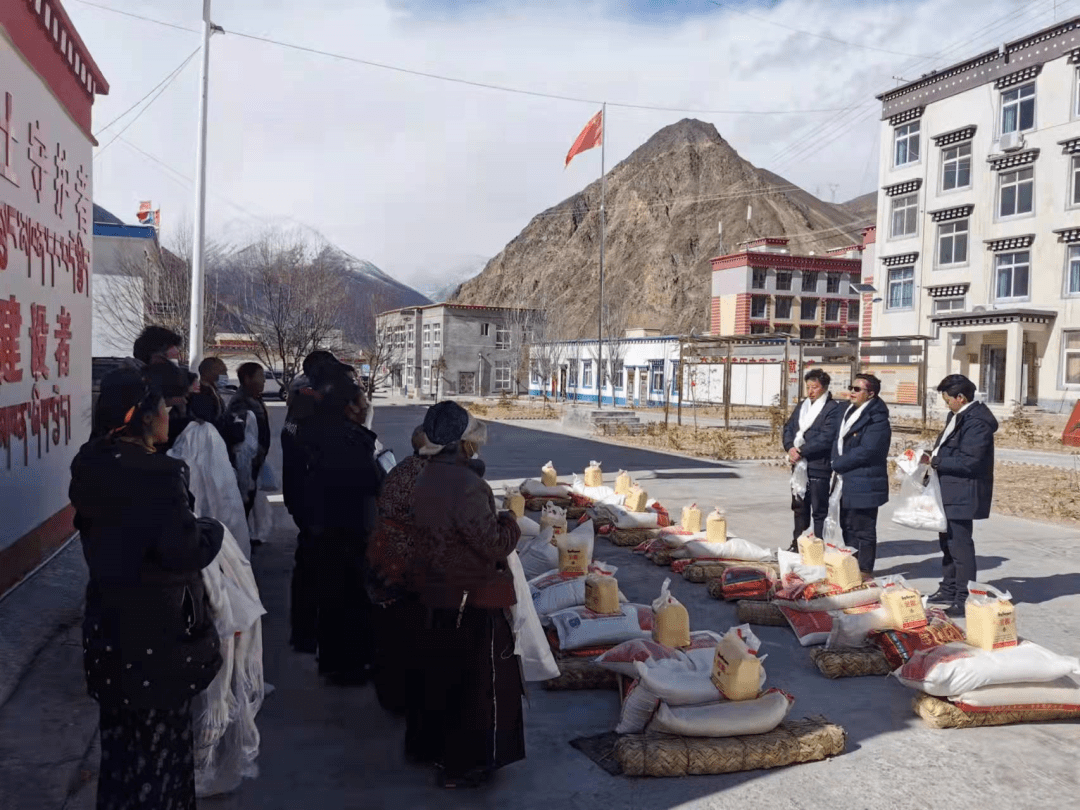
x=978 y=234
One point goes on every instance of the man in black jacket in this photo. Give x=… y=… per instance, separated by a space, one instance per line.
x=248 y=400
x=964 y=459
x=860 y=457
x=808 y=439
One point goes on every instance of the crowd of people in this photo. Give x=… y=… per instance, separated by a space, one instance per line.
x=840 y=456
x=400 y=574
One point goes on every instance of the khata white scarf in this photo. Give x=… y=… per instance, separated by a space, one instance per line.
x=850 y=418
x=809 y=411
x=950 y=426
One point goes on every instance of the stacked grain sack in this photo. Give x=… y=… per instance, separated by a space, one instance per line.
x=991 y=677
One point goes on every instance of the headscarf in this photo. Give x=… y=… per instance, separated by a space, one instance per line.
x=446 y=424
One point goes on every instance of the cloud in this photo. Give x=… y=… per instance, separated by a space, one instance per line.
x=415 y=174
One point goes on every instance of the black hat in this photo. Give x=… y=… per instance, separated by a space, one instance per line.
x=446 y=423
x=125 y=394
x=171 y=380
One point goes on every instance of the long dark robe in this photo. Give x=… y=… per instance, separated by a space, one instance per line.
x=146 y=759
x=468 y=717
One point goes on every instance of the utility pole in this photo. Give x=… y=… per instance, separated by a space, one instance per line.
x=198 y=252
x=603 y=227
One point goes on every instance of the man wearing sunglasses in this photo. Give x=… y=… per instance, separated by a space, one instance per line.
x=860 y=459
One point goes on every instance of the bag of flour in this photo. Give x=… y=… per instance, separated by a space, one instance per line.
x=726 y=718
x=990 y=617
x=579 y=627
x=623 y=482
x=953 y=669
x=548 y=476
x=671 y=620
x=594 y=476
x=576 y=549
x=737 y=672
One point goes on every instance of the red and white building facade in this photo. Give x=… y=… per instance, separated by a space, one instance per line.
x=765 y=289
x=48 y=82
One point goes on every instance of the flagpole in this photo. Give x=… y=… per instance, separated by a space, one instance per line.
x=198 y=246
x=603 y=226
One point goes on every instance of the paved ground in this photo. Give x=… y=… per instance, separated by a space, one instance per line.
x=325 y=747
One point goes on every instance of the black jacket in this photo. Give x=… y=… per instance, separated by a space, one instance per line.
x=819 y=437
x=343 y=479
x=965 y=464
x=149 y=639
x=234 y=426
x=294 y=455
x=865 y=462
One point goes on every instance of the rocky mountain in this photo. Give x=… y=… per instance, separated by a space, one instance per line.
x=453 y=277
x=665 y=204
x=864 y=206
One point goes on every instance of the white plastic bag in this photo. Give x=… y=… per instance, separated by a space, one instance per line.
x=832 y=530
x=268 y=477
x=528 y=527
x=919 y=505
x=212 y=479
x=800 y=479
x=956 y=668
x=851 y=630
x=726 y=718
x=537 y=662
x=791 y=564
x=245 y=453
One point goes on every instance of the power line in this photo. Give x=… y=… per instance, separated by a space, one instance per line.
x=141 y=100
x=169 y=80
x=812 y=33
x=468 y=82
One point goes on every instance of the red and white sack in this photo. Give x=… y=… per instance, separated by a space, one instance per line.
x=552 y=591
x=625 y=519
x=819 y=596
x=956 y=668
x=602 y=494
x=621 y=659
x=1060 y=695
x=811 y=627
x=579 y=627
x=791 y=564
x=726 y=718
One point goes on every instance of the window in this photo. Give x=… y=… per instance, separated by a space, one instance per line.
x=956 y=167
x=832 y=310
x=906 y=144
x=534 y=374
x=1072 y=270
x=586 y=374
x=809 y=281
x=943 y=305
x=427 y=335
x=759 y=306
x=656 y=378
x=1018 y=109
x=783 y=309
x=808 y=332
x=436 y=335
x=1012 y=274
x=502 y=375
x=832 y=282
x=905 y=216
x=1016 y=193
x=808 y=309
x=410 y=376
x=1076 y=180
x=410 y=336
x=399 y=336
x=619 y=375
x=572 y=374
x=832 y=333
x=783 y=279
x=759 y=329
x=1070 y=355
x=425 y=374
x=502 y=338
x=953 y=242
x=757 y=280
x=484 y=327
x=853 y=311
x=901 y=288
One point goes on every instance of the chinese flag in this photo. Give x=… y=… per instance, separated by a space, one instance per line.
x=590 y=137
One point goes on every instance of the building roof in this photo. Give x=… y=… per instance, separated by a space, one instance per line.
x=471 y=307
x=105 y=217
x=784 y=261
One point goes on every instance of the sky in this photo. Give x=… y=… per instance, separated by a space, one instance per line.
x=421 y=176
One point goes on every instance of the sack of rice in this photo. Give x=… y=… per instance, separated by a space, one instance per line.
x=515 y=502
x=623 y=482
x=594 y=476
x=691 y=519
x=531 y=488
x=990 y=616
x=579 y=627
x=812 y=550
x=677 y=684
x=672 y=622
x=842 y=567
x=811 y=627
x=1062 y=694
x=956 y=668
x=817 y=596
x=716 y=526
x=940 y=713
x=637 y=710
x=734 y=548
x=576 y=549
x=538 y=555
x=548 y=476
x=637 y=499
x=742 y=582
x=602 y=593
x=554 y=517
x=737 y=671
x=621 y=659
x=900 y=645
x=727 y=718
x=554 y=590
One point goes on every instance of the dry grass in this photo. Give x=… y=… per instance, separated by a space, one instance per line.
x=509 y=408
x=706 y=442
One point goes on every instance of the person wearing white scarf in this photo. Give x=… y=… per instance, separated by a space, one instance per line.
x=860 y=458
x=963 y=457
x=808 y=439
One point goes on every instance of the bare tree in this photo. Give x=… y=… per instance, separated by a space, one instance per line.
x=289 y=298
x=521 y=325
x=141 y=282
x=617 y=312
x=383 y=343
x=547 y=347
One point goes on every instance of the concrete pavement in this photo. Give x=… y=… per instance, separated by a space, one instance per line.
x=326 y=747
